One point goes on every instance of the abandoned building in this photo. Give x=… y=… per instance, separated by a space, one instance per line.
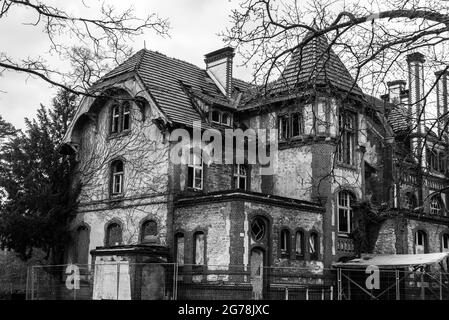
x=355 y=173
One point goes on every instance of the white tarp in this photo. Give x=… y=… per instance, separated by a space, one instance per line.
x=394 y=260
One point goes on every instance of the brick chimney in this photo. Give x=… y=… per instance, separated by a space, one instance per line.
x=442 y=104
x=219 y=68
x=416 y=92
x=395 y=89
x=416 y=115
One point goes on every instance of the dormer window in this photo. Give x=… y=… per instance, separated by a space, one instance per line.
x=120 y=117
x=220 y=117
x=215 y=116
x=226 y=119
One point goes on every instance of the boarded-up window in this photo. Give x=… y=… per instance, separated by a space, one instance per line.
x=299 y=244
x=82 y=245
x=199 y=245
x=179 y=247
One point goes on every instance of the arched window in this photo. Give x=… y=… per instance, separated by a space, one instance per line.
x=117 y=171
x=345 y=214
x=285 y=243
x=299 y=244
x=199 y=248
x=82 y=245
x=195 y=171
x=258 y=229
x=148 y=231
x=445 y=242
x=314 y=246
x=420 y=241
x=126 y=116
x=436 y=207
x=346 y=146
x=179 y=248
x=115 y=121
x=113 y=234
x=410 y=201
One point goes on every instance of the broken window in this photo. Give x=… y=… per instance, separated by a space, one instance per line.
x=240 y=176
x=226 y=119
x=346 y=145
x=195 y=171
x=435 y=206
x=113 y=234
x=199 y=248
x=117 y=177
x=345 y=214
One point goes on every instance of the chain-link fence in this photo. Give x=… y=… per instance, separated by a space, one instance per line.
x=122 y=280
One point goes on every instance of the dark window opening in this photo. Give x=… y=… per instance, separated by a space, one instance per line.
x=117 y=169
x=113 y=234
x=314 y=246
x=346 y=145
x=149 y=231
x=285 y=243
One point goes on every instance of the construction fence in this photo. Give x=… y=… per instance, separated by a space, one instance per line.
x=170 y=281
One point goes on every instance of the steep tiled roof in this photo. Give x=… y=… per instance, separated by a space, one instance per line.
x=316 y=65
x=397 y=118
x=167 y=78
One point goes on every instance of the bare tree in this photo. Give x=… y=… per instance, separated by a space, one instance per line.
x=100 y=40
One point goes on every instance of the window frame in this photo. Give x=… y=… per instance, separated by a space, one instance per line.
x=238 y=175
x=194 y=167
x=300 y=255
x=316 y=245
x=114 y=175
x=440 y=210
x=118 y=115
x=284 y=240
x=347 y=135
x=424 y=240
x=347 y=207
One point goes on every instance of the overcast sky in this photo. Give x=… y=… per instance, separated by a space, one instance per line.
x=194 y=28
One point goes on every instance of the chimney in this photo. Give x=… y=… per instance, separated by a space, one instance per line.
x=416 y=115
x=219 y=68
x=442 y=108
x=416 y=82
x=395 y=89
